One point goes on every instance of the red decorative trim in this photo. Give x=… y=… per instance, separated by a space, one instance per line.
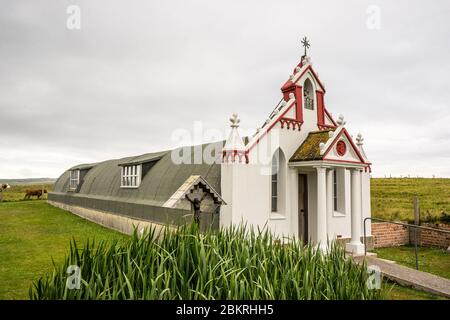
x=287 y=87
x=234 y=155
x=344 y=131
x=300 y=64
x=298 y=94
x=291 y=123
x=287 y=91
x=325 y=127
x=299 y=103
x=341 y=148
x=320 y=108
x=289 y=84
x=329 y=116
x=315 y=76
x=270 y=128
x=343 y=161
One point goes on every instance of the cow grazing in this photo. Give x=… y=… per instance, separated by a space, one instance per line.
x=34 y=192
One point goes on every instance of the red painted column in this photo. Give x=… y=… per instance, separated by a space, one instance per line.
x=320 y=108
x=287 y=89
x=299 y=103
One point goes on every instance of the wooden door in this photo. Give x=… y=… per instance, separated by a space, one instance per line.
x=303 y=208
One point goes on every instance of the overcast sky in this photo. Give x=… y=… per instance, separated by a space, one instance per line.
x=138 y=70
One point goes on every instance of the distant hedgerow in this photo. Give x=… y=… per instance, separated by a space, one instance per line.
x=231 y=263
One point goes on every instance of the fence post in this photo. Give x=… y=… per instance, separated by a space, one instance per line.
x=416 y=222
x=416 y=211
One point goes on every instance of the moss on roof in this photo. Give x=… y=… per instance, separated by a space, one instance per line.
x=309 y=150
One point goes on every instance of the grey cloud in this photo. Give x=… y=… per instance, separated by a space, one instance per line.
x=138 y=70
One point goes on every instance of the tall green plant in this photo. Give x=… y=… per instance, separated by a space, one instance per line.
x=231 y=263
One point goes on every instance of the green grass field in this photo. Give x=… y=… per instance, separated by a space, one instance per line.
x=397 y=292
x=431 y=260
x=31 y=234
x=392 y=198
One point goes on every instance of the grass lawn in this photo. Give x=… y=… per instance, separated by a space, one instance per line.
x=392 y=198
x=398 y=292
x=431 y=260
x=31 y=234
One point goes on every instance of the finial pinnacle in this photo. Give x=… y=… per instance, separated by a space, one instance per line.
x=235 y=120
x=340 y=121
x=306 y=44
x=322 y=147
x=359 y=139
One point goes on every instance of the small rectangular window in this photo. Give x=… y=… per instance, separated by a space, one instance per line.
x=130 y=176
x=74 y=179
x=275 y=192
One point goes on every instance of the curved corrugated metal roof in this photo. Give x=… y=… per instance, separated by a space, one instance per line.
x=163 y=179
x=148 y=157
x=83 y=166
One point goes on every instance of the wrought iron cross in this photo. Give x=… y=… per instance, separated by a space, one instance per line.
x=305 y=43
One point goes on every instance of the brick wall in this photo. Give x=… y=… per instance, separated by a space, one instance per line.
x=433 y=238
x=391 y=235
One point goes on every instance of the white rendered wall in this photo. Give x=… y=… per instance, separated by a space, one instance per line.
x=340 y=221
x=246 y=188
x=293 y=197
x=233 y=186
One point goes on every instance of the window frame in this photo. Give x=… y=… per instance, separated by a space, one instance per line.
x=73 y=186
x=274 y=181
x=130 y=176
x=313 y=100
x=340 y=192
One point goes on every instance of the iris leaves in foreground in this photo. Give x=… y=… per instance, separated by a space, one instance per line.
x=234 y=263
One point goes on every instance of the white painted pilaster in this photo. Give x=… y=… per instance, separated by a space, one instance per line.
x=321 y=207
x=355 y=246
x=330 y=203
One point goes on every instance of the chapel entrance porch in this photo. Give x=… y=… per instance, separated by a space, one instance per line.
x=330 y=203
